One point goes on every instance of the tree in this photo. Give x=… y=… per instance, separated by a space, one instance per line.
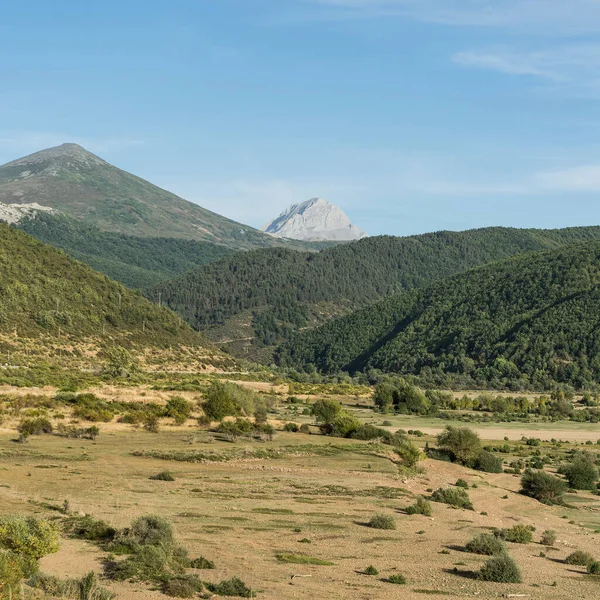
x=383 y=397
x=543 y=487
x=409 y=453
x=581 y=472
x=463 y=443
x=220 y=403
x=120 y=363
x=326 y=411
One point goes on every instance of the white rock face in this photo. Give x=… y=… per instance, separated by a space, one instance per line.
x=314 y=220
x=14 y=213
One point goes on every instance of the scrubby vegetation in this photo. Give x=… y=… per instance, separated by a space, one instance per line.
x=487 y=544
x=420 y=507
x=501 y=569
x=543 y=487
x=579 y=558
x=456 y=497
x=382 y=522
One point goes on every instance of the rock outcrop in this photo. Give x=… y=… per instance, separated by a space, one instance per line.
x=314 y=220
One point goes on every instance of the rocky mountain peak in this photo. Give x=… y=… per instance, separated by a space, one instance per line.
x=313 y=220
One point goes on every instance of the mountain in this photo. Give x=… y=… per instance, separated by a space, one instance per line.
x=253 y=301
x=137 y=262
x=44 y=292
x=73 y=181
x=531 y=321
x=313 y=220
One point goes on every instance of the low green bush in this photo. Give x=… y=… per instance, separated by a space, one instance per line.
x=88 y=528
x=163 y=476
x=371 y=570
x=486 y=544
x=397 y=579
x=292 y=427
x=231 y=587
x=28 y=537
x=543 y=487
x=420 y=507
x=382 y=522
x=579 y=558
x=519 y=534
x=488 y=463
x=501 y=569
x=548 y=537
x=202 y=563
x=593 y=568
x=35 y=426
x=462 y=484
x=454 y=496
x=182 y=587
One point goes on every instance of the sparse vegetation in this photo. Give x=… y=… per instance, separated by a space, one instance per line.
x=487 y=544
x=543 y=487
x=456 y=497
x=420 y=507
x=382 y=522
x=579 y=558
x=501 y=569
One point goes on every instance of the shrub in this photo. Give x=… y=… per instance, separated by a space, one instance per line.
x=463 y=443
x=488 y=463
x=461 y=483
x=292 y=427
x=344 y=425
x=84 y=588
x=409 y=453
x=231 y=587
x=151 y=423
x=202 y=563
x=326 y=411
x=228 y=400
x=382 y=522
x=580 y=558
x=182 y=587
x=371 y=570
x=519 y=534
x=593 y=568
x=456 y=497
x=178 y=409
x=11 y=574
x=163 y=476
x=581 y=473
x=35 y=426
x=88 y=528
x=28 y=537
x=370 y=432
x=548 y=537
x=420 y=507
x=120 y=363
x=397 y=579
x=501 y=569
x=543 y=487
x=487 y=544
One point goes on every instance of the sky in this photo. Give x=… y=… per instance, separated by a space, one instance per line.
x=412 y=115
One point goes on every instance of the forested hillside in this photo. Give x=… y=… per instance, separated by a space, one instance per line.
x=137 y=262
x=266 y=294
x=529 y=321
x=43 y=291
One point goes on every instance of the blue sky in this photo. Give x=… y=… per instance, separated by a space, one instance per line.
x=413 y=115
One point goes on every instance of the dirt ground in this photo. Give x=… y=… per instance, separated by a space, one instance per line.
x=244 y=512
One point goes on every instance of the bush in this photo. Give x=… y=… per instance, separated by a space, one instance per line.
x=84 y=588
x=344 y=425
x=456 y=497
x=163 y=476
x=488 y=463
x=371 y=570
x=292 y=427
x=11 y=574
x=28 y=537
x=88 y=528
x=593 y=568
x=548 y=537
x=120 y=363
x=231 y=587
x=368 y=432
x=35 y=426
x=543 y=487
x=228 y=400
x=409 y=453
x=461 y=483
x=151 y=423
x=326 y=411
x=420 y=507
x=502 y=569
x=519 y=534
x=382 y=522
x=182 y=587
x=202 y=563
x=178 y=409
x=398 y=579
x=487 y=544
x=463 y=443
x=580 y=558
x=581 y=473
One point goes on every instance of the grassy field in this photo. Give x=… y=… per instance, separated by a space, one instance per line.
x=289 y=516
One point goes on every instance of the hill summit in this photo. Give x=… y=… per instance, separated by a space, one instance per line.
x=73 y=181
x=315 y=219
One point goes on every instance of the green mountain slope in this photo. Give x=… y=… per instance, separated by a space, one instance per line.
x=135 y=261
x=529 y=321
x=263 y=296
x=74 y=181
x=43 y=292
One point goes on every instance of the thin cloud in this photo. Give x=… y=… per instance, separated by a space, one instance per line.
x=543 y=16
